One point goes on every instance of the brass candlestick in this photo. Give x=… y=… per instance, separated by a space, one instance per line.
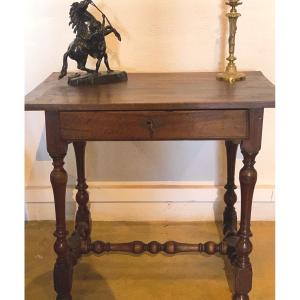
x=231 y=74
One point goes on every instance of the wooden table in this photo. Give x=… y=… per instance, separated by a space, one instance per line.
x=152 y=107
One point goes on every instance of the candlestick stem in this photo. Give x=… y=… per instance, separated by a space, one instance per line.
x=231 y=74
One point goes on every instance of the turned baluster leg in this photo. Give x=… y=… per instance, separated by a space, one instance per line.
x=243 y=266
x=229 y=216
x=248 y=178
x=57 y=149
x=83 y=216
x=63 y=268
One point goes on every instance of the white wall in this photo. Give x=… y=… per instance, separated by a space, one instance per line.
x=161 y=36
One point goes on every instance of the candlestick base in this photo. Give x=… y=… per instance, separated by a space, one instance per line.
x=231 y=74
x=231 y=77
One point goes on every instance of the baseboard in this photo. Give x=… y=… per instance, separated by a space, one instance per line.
x=148 y=201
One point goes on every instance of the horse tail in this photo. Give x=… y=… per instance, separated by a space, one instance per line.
x=64 y=69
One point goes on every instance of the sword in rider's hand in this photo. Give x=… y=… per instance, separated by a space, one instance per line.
x=92 y=3
x=116 y=33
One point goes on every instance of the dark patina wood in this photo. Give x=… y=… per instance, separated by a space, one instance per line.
x=83 y=216
x=57 y=148
x=154 y=125
x=230 y=198
x=154 y=247
x=182 y=106
x=248 y=176
x=161 y=91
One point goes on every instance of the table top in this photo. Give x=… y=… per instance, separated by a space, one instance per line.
x=154 y=91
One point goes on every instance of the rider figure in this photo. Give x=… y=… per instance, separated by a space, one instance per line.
x=88 y=25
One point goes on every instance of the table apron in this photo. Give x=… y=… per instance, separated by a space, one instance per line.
x=154 y=125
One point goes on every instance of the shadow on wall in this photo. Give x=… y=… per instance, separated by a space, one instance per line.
x=42 y=154
x=151 y=161
x=203 y=161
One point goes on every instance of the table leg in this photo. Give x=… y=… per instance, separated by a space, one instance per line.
x=83 y=223
x=83 y=216
x=57 y=149
x=230 y=198
x=63 y=268
x=243 y=268
x=248 y=177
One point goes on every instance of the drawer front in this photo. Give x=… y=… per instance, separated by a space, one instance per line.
x=154 y=125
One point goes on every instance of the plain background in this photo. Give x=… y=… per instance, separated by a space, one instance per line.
x=158 y=36
x=12 y=149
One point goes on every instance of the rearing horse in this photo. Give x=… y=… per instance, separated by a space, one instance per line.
x=90 y=39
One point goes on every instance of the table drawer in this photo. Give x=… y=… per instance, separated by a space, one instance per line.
x=154 y=125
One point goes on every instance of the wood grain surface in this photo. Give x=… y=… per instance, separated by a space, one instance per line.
x=149 y=91
x=154 y=125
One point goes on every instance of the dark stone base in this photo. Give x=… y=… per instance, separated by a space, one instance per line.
x=80 y=79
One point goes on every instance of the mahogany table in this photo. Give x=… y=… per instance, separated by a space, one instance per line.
x=154 y=107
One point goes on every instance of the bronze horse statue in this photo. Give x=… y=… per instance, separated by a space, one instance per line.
x=90 y=38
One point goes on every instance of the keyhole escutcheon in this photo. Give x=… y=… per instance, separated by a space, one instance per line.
x=150 y=126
